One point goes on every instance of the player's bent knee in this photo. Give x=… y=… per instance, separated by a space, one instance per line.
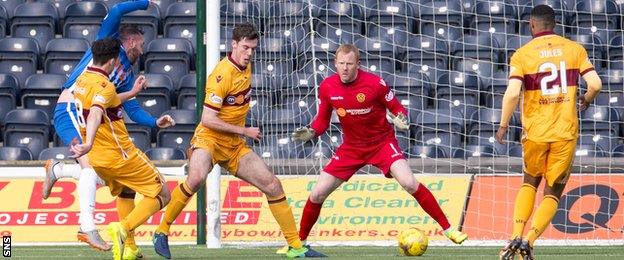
x=274 y=187
x=164 y=197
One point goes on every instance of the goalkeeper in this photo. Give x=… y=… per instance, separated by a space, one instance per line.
x=361 y=100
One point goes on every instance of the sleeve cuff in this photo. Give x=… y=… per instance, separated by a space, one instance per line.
x=98 y=105
x=517 y=77
x=586 y=71
x=206 y=105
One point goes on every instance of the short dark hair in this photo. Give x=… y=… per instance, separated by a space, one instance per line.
x=545 y=14
x=244 y=31
x=105 y=49
x=126 y=30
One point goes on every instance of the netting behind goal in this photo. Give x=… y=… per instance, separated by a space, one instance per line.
x=447 y=63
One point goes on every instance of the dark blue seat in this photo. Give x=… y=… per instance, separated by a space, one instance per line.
x=187 y=91
x=474 y=151
x=411 y=89
x=618 y=151
x=140 y=135
x=165 y=154
x=41 y=92
x=339 y=33
x=19 y=57
x=396 y=34
x=393 y=13
x=8 y=90
x=235 y=12
x=426 y=151
x=273 y=68
x=315 y=152
x=180 y=22
x=498 y=18
x=10 y=6
x=341 y=12
x=55 y=153
x=147 y=20
x=15 y=154
x=170 y=56
x=482 y=47
x=482 y=128
x=28 y=128
x=429 y=50
x=589 y=151
x=62 y=55
x=180 y=135
x=439 y=127
x=442 y=11
x=83 y=20
x=484 y=68
x=601 y=14
x=36 y=20
x=156 y=99
x=275 y=48
x=458 y=91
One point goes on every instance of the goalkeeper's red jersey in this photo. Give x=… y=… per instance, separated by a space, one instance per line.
x=361 y=108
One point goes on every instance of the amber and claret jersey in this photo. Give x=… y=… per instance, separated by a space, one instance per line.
x=361 y=108
x=549 y=67
x=228 y=91
x=112 y=143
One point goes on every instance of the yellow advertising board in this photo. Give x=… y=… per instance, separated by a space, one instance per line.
x=365 y=208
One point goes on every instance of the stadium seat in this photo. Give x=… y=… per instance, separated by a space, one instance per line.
x=259 y=105
x=594 y=48
x=8 y=91
x=235 y=12
x=41 y=92
x=140 y=135
x=272 y=67
x=10 y=5
x=602 y=15
x=339 y=33
x=163 y=5
x=300 y=81
x=458 y=91
x=147 y=20
x=483 y=68
x=589 y=151
x=275 y=48
x=378 y=55
x=426 y=151
x=483 y=125
x=178 y=136
x=15 y=154
x=601 y=119
x=482 y=47
x=4 y=18
x=323 y=50
x=450 y=33
x=225 y=39
x=341 y=13
x=186 y=92
x=393 y=34
x=414 y=87
x=439 y=127
x=315 y=152
x=323 y=68
x=618 y=151
x=301 y=102
x=417 y=67
x=332 y=137
x=284 y=120
x=19 y=56
x=180 y=22
x=286 y=15
x=156 y=99
x=36 y=20
x=498 y=83
x=474 y=151
x=600 y=138
x=428 y=50
x=442 y=11
x=296 y=35
x=62 y=55
x=28 y=128
x=55 y=153
x=169 y=56
x=497 y=18
x=513 y=43
x=83 y=19
x=613 y=80
x=515 y=151
x=165 y=154
x=387 y=13
x=615 y=48
x=281 y=145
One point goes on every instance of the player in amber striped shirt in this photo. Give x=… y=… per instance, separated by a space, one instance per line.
x=546 y=71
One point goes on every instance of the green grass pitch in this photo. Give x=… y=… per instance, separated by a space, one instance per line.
x=200 y=252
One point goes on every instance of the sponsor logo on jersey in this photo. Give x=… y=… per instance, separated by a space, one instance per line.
x=215 y=99
x=360 y=97
x=341 y=112
x=231 y=100
x=219 y=78
x=99 y=99
x=362 y=111
x=382 y=82
x=389 y=96
x=336 y=98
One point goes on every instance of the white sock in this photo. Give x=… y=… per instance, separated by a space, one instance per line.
x=62 y=170
x=86 y=196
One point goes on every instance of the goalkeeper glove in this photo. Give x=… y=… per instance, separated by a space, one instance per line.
x=400 y=121
x=303 y=134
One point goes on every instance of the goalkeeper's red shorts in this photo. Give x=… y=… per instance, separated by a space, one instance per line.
x=349 y=159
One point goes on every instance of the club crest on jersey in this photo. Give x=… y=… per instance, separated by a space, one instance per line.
x=360 y=97
x=341 y=112
x=389 y=96
x=231 y=100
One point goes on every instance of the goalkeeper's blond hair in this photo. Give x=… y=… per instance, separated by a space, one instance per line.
x=346 y=48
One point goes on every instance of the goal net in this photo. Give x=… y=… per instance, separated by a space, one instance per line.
x=447 y=64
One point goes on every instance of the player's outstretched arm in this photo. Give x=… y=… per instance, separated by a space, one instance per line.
x=93 y=122
x=139 y=84
x=110 y=24
x=211 y=120
x=594 y=85
x=510 y=102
